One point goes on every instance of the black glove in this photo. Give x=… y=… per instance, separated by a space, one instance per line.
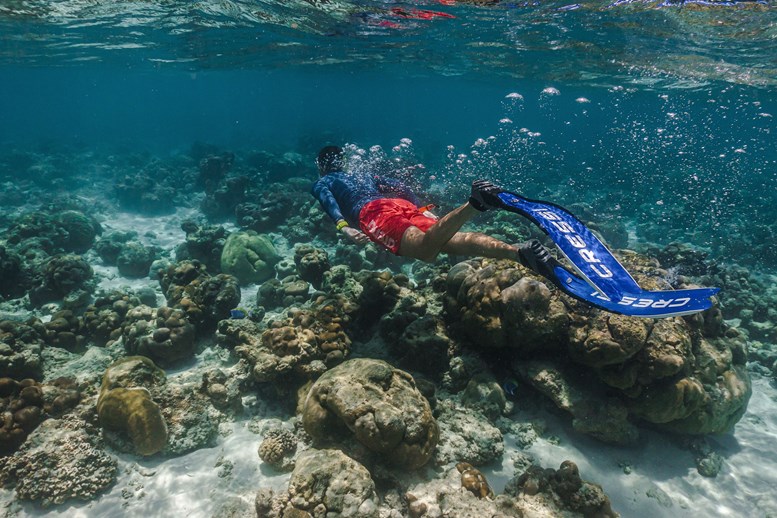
x=484 y=195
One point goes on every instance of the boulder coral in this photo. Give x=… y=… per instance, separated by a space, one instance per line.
x=311 y=263
x=21 y=344
x=278 y=448
x=61 y=275
x=564 y=486
x=379 y=405
x=61 y=460
x=302 y=346
x=162 y=334
x=249 y=256
x=21 y=411
x=323 y=483
x=125 y=404
x=204 y=298
x=683 y=375
x=104 y=318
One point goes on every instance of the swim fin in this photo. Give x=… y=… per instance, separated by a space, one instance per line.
x=600 y=279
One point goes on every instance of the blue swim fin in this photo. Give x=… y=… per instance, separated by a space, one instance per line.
x=601 y=280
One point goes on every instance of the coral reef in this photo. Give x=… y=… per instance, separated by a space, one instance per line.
x=21 y=411
x=277 y=449
x=151 y=191
x=223 y=390
x=15 y=278
x=134 y=259
x=26 y=403
x=221 y=203
x=249 y=256
x=110 y=245
x=323 y=483
x=473 y=480
x=162 y=334
x=57 y=231
x=104 y=318
x=379 y=405
x=60 y=276
x=205 y=299
x=311 y=263
x=681 y=375
x=125 y=403
x=304 y=345
x=565 y=486
x=65 y=330
x=204 y=243
x=285 y=292
x=20 y=348
x=465 y=436
x=61 y=460
x=213 y=169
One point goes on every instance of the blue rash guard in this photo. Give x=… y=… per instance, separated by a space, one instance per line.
x=343 y=195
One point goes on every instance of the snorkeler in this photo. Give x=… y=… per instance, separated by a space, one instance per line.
x=370 y=207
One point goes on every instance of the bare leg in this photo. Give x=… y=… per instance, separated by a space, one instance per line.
x=476 y=244
x=444 y=236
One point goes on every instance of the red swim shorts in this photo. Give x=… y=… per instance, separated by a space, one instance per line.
x=385 y=221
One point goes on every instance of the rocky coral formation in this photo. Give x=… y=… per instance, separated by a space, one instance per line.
x=277 y=448
x=110 y=245
x=379 y=405
x=221 y=203
x=249 y=256
x=61 y=460
x=20 y=348
x=15 y=278
x=57 y=230
x=147 y=192
x=213 y=169
x=311 y=263
x=682 y=375
x=593 y=412
x=21 y=411
x=204 y=243
x=497 y=304
x=26 y=403
x=125 y=404
x=223 y=390
x=162 y=334
x=323 y=483
x=104 y=318
x=564 y=487
x=276 y=205
x=134 y=259
x=61 y=275
x=466 y=436
x=65 y=330
x=205 y=299
x=302 y=346
x=285 y=292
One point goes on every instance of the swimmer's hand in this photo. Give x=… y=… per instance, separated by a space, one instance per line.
x=355 y=235
x=429 y=215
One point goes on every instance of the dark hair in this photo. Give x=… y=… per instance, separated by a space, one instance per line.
x=330 y=159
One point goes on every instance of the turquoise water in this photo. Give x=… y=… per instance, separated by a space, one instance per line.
x=671 y=100
x=655 y=117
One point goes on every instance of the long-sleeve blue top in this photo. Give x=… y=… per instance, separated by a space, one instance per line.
x=342 y=195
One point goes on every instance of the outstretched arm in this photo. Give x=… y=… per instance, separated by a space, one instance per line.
x=329 y=203
x=321 y=192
